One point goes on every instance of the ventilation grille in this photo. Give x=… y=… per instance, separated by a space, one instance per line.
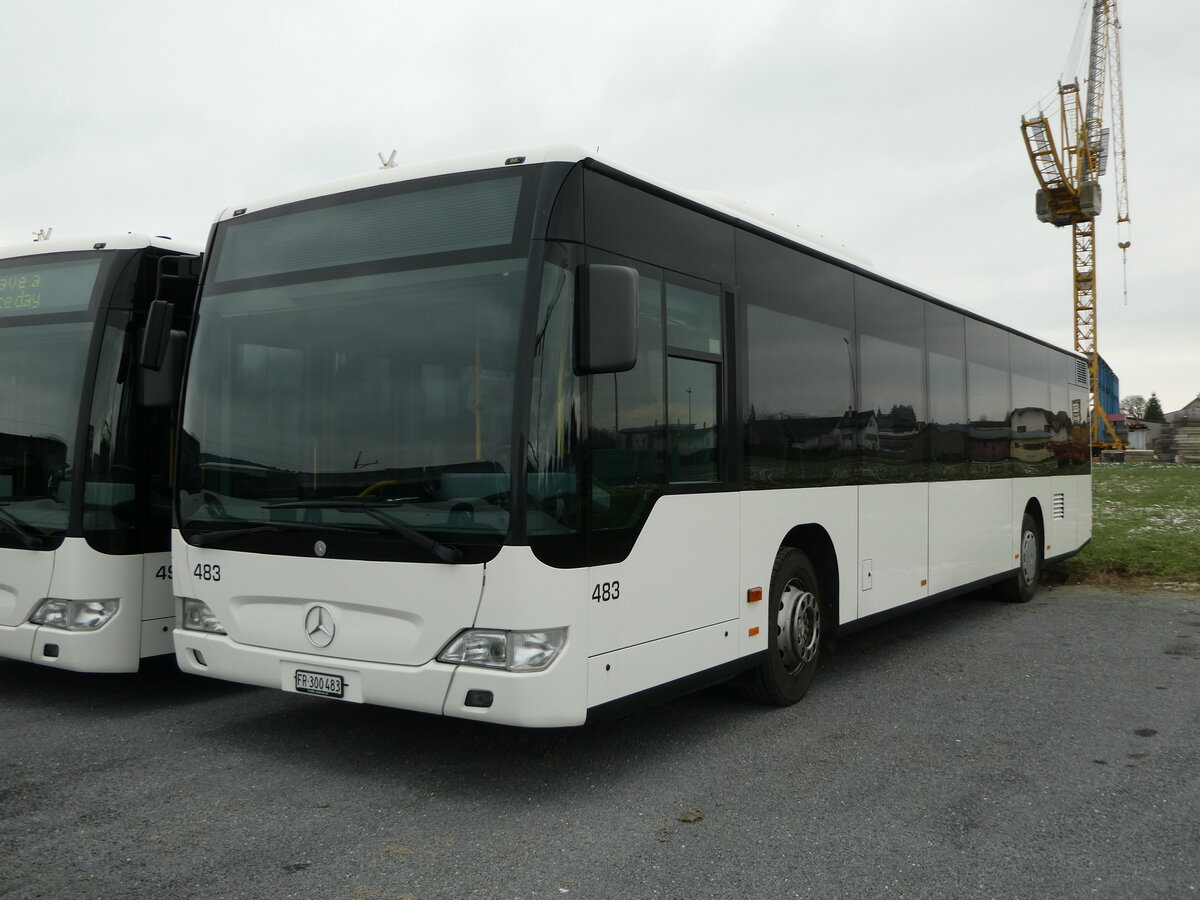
x=1081 y=372
x=1060 y=506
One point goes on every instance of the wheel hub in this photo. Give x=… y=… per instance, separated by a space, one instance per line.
x=799 y=626
x=1029 y=557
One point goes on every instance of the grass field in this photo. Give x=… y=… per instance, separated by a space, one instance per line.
x=1146 y=529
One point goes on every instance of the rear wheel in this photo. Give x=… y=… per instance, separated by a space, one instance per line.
x=1021 y=587
x=794 y=622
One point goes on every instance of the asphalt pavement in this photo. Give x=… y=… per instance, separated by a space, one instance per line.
x=975 y=749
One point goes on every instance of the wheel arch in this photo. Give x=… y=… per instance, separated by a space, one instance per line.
x=814 y=540
x=1033 y=507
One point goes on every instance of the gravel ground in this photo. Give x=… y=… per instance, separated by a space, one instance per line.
x=976 y=749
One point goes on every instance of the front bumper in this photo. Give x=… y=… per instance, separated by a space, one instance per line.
x=552 y=698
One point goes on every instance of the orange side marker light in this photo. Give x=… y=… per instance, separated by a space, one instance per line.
x=754 y=595
x=754 y=631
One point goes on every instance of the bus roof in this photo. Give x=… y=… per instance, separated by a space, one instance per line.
x=719 y=204
x=126 y=241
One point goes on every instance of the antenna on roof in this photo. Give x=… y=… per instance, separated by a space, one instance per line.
x=42 y=234
x=389 y=163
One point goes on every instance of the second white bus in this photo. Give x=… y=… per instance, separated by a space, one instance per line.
x=84 y=458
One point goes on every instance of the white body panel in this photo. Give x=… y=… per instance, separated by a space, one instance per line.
x=401 y=613
x=141 y=626
x=679 y=600
x=24 y=581
x=681 y=575
x=970 y=531
x=768 y=516
x=391 y=621
x=682 y=607
x=393 y=618
x=893 y=545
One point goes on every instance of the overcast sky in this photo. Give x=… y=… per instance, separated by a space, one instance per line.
x=890 y=127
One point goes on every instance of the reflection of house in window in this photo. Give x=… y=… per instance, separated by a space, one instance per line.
x=987 y=442
x=1040 y=436
x=1030 y=435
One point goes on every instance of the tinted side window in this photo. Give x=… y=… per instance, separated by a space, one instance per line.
x=800 y=420
x=891 y=335
x=1031 y=417
x=553 y=480
x=694 y=342
x=988 y=404
x=631 y=222
x=110 y=507
x=1030 y=373
x=1070 y=440
x=945 y=337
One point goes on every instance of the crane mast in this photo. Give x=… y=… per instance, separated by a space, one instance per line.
x=1068 y=173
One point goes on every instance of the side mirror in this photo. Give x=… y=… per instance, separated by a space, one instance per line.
x=160 y=387
x=160 y=359
x=606 y=319
x=155 y=336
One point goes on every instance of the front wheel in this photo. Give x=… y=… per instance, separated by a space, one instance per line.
x=1021 y=587
x=794 y=623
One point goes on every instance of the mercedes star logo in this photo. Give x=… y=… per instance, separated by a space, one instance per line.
x=318 y=625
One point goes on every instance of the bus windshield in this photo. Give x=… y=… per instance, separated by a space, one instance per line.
x=353 y=371
x=44 y=361
x=377 y=402
x=39 y=410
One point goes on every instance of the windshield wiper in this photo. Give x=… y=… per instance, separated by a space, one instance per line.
x=18 y=529
x=212 y=537
x=444 y=552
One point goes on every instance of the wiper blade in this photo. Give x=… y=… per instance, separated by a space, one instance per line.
x=346 y=503
x=18 y=529
x=445 y=552
x=213 y=537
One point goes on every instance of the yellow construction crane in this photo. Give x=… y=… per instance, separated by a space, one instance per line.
x=1069 y=177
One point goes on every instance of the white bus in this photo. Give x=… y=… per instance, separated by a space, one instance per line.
x=84 y=463
x=526 y=439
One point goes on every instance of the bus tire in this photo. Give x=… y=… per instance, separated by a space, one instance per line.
x=1021 y=587
x=794 y=623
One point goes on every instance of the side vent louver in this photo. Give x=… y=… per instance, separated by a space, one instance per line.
x=1060 y=506
x=1081 y=372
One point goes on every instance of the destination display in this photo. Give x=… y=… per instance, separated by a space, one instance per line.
x=33 y=286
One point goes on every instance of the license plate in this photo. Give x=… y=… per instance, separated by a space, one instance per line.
x=320 y=683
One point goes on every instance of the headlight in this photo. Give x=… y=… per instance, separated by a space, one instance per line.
x=198 y=617
x=74 y=615
x=516 y=651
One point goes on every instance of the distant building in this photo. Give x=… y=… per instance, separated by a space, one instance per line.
x=1191 y=412
x=1181 y=436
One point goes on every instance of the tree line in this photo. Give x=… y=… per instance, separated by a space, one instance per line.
x=1139 y=407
